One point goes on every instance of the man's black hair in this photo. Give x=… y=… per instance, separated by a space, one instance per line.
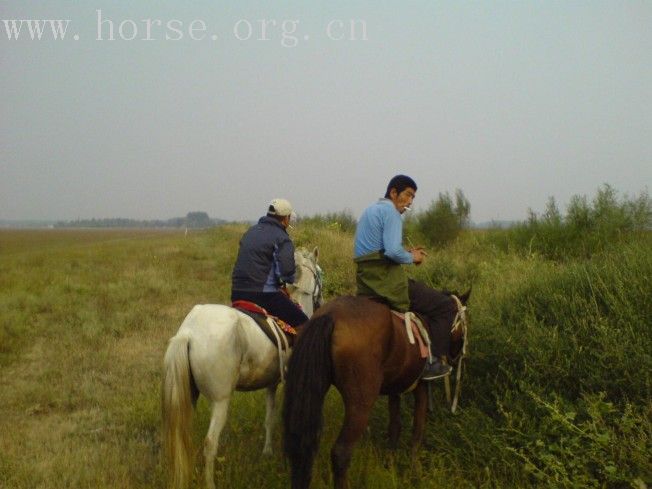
x=400 y=183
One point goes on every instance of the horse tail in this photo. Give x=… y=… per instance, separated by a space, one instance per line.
x=177 y=411
x=308 y=379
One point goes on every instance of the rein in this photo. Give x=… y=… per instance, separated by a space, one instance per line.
x=461 y=321
x=281 y=344
x=317 y=288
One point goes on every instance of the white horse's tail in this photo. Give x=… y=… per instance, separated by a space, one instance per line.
x=177 y=412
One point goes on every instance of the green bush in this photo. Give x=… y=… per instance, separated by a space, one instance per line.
x=586 y=229
x=444 y=219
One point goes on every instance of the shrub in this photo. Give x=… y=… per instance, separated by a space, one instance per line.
x=586 y=229
x=444 y=219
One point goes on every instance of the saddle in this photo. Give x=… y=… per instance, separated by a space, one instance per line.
x=280 y=333
x=272 y=326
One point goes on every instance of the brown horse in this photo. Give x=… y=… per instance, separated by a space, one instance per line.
x=359 y=346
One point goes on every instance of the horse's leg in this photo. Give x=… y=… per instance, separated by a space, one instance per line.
x=394 y=420
x=218 y=419
x=357 y=409
x=420 y=408
x=270 y=418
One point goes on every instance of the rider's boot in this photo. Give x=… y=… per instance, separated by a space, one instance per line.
x=435 y=370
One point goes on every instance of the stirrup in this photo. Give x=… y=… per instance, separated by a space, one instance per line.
x=435 y=370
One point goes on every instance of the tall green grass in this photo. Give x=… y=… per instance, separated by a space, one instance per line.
x=560 y=374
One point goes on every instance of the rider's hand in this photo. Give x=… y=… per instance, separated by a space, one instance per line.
x=418 y=255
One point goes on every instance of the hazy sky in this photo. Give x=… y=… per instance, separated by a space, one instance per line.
x=510 y=101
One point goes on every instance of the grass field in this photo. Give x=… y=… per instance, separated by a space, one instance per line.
x=557 y=393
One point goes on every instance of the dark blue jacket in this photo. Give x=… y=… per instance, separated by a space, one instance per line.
x=265 y=258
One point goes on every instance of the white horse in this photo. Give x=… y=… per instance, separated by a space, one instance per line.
x=217 y=350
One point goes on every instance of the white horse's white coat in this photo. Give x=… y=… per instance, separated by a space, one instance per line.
x=222 y=350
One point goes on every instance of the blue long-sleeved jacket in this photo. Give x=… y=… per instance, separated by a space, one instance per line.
x=265 y=258
x=380 y=228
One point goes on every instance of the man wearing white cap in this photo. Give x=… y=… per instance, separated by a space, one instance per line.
x=265 y=264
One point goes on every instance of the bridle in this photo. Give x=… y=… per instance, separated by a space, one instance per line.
x=317 y=274
x=461 y=321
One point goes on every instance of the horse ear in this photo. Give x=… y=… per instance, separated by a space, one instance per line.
x=465 y=296
x=315 y=253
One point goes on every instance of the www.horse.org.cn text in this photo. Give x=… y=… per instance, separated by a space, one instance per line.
x=288 y=33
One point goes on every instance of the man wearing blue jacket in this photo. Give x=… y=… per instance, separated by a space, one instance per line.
x=265 y=264
x=379 y=256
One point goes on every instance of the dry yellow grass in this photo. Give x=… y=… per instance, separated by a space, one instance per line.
x=91 y=311
x=85 y=316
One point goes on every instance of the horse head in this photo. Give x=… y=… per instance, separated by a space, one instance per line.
x=307 y=289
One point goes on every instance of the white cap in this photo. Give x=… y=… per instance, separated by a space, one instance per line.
x=280 y=207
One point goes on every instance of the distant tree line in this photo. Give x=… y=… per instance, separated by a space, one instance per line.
x=193 y=220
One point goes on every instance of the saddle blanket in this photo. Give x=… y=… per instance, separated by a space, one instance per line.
x=415 y=330
x=260 y=315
